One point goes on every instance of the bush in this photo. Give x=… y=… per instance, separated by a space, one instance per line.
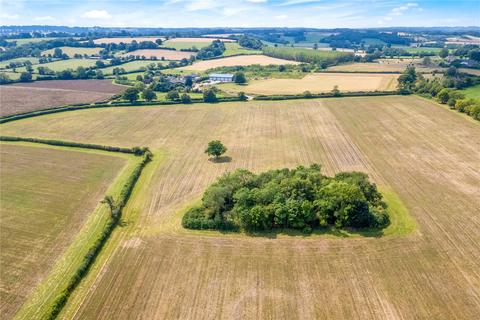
x=209 y=96
x=301 y=198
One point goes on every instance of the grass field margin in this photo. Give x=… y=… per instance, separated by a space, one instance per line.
x=48 y=299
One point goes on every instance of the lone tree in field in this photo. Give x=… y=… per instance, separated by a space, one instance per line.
x=215 y=148
x=131 y=94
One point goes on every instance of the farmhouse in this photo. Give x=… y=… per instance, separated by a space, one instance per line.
x=221 y=77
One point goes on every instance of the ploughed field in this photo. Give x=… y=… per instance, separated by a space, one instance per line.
x=152 y=268
x=46 y=195
x=26 y=97
x=318 y=82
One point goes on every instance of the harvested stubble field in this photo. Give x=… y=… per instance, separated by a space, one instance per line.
x=125 y=40
x=411 y=147
x=25 y=97
x=46 y=195
x=61 y=65
x=318 y=82
x=162 y=53
x=385 y=65
x=244 y=60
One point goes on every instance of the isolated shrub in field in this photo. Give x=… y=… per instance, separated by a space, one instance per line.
x=301 y=198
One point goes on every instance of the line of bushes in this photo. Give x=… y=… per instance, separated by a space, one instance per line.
x=308 y=95
x=93 y=252
x=135 y=150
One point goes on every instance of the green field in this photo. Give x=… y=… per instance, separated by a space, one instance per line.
x=185 y=45
x=13 y=75
x=136 y=65
x=419 y=49
x=63 y=65
x=71 y=51
x=472 y=92
x=233 y=48
x=30 y=40
x=3 y=64
x=44 y=203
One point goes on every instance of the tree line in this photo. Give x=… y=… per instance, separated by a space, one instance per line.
x=301 y=198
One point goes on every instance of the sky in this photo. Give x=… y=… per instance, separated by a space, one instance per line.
x=241 y=13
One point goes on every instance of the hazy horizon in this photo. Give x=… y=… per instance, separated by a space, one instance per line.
x=241 y=13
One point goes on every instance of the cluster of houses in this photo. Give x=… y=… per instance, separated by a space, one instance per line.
x=213 y=77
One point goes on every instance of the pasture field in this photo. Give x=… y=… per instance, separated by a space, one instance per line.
x=161 y=53
x=244 y=60
x=22 y=41
x=14 y=75
x=153 y=268
x=318 y=82
x=385 y=65
x=472 y=92
x=417 y=50
x=131 y=66
x=3 y=64
x=43 y=205
x=25 y=97
x=71 y=51
x=61 y=65
x=233 y=48
x=118 y=40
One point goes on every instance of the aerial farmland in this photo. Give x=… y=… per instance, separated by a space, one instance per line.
x=239 y=173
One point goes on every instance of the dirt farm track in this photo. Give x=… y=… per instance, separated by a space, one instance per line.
x=154 y=269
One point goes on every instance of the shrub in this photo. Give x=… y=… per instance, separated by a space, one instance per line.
x=209 y=96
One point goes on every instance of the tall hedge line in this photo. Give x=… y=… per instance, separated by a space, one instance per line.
x=134 y=150
x=324 y=95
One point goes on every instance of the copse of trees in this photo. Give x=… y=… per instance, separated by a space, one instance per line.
x=215 y=49
x=300 y=198
x=131 y=94
x=250 y=42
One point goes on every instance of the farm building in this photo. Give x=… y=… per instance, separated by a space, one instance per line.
x=221 y=77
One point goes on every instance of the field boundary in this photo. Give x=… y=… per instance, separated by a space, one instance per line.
x=36 y=113
x=114 y=218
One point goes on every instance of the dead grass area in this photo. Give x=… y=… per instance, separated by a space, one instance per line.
x=46 y=195
x=25 y=97
x=318 y=82
x=153 y=268
x=244 y=60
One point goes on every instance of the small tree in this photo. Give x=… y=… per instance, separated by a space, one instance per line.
x=149 y=95
x=25 y=77
x=443 y=53
x=239 y=78
x=108 y=200
x=188 y=81
x=242 y=96
x=173 y=95
x=131 y=94
x=215 y=148
x=335 y=91
x=186 y=98
x=209 y=96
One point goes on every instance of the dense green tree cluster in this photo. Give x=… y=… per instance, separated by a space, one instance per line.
x=300 y=198
x=216 y=49
x=250 y=42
